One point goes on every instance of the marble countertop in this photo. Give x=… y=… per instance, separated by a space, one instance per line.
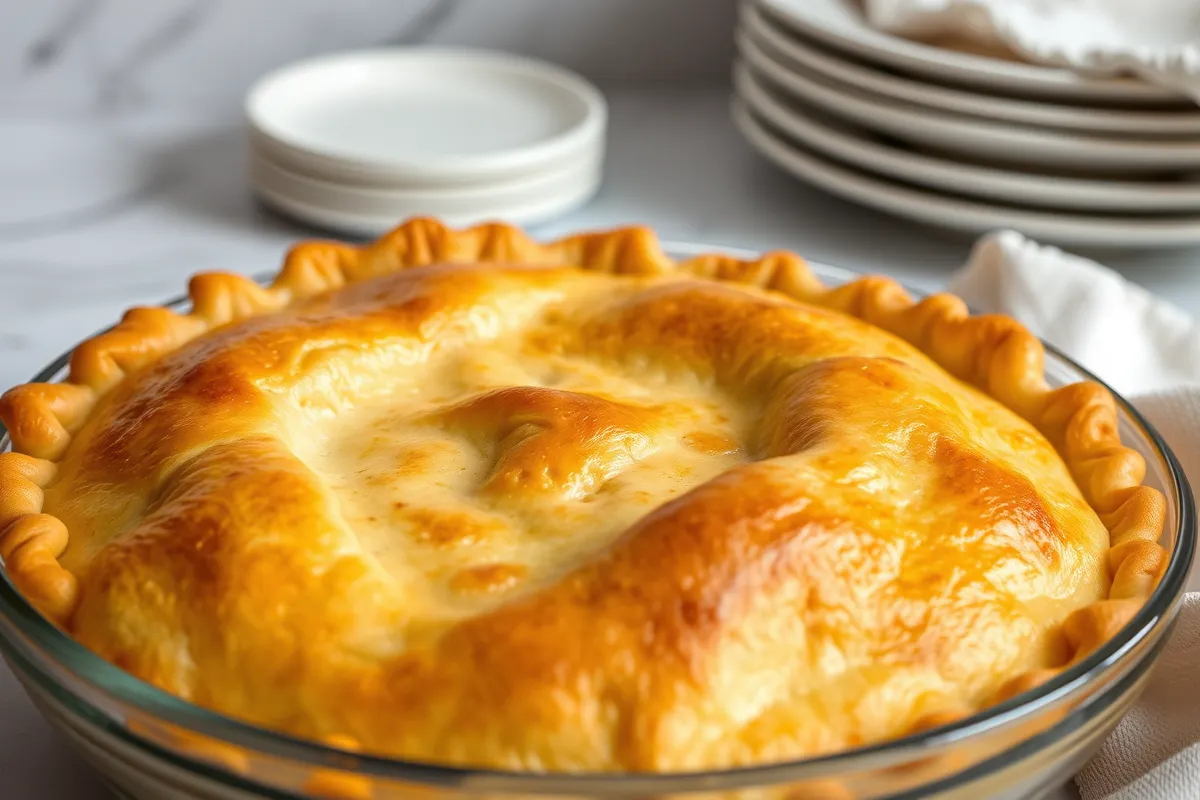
x=98 y=213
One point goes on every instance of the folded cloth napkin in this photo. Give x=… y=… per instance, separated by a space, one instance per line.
x=1149 y=351
x=1157 y=40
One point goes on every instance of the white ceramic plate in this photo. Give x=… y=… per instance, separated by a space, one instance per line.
x=837 y=23
x=370 y=223
x=973 y=138
x=858 y=148
x=791 y=50
x=967 y=216
x=489 y=200
x=425 y=116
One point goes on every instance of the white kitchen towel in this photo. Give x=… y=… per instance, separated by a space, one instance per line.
x=1157 y=40
x=1149 y=351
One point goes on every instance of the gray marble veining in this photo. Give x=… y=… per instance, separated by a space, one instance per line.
x=73 y=56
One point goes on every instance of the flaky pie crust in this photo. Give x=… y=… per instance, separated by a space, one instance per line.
x=993 y=353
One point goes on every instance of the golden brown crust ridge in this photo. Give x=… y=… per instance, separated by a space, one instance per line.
x=993 y=353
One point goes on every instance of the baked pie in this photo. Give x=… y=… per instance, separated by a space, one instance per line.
x=462 y=497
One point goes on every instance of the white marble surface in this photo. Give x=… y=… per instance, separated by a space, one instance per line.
x=100 y=212
x=89 y=55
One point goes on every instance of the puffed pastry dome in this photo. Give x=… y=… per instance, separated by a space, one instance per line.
x=461 y=497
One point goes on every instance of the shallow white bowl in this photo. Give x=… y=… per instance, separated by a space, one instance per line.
x=462 y=202
x=424 y=117
x=350 y=211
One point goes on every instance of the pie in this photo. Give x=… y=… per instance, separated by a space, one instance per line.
x=458 y=496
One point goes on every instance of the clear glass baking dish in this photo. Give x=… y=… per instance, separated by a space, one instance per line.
x=152 y=745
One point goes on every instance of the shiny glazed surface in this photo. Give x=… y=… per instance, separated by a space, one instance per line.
x=557 y=520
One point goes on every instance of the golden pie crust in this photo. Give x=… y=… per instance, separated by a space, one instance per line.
x=463 y=497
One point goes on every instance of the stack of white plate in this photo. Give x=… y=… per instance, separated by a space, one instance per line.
x=965 y=141
x=357 y=141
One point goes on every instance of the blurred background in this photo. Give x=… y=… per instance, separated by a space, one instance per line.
x=80 y=56
x=126 y=167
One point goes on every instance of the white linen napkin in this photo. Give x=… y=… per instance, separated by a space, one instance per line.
x=1149 y=351
x=1157 y=40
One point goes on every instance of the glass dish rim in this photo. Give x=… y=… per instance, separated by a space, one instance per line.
x=101 y=676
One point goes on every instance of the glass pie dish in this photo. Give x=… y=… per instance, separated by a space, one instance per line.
x=151 y=744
